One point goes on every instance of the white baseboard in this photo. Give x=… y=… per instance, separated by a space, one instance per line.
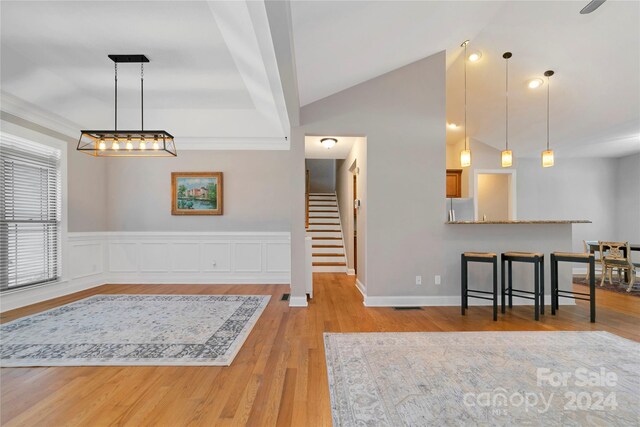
x=444 y=301
x=361 y=288
x=351 y=272
x=298 y=301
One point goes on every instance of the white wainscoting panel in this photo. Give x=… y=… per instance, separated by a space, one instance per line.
x=171 y=257
x=215 y=257
x=247 y=257
x=185 y=257
x=123 y=256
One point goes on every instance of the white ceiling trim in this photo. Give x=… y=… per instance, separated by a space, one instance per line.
x=18 y=107
x=240 y=34
x=234 y=143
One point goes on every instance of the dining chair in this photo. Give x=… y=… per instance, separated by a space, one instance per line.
x=617 y=258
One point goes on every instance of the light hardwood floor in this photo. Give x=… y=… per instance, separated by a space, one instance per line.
x=278 y=377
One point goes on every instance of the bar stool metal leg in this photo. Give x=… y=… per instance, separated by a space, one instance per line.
x=463 y=282
x=542 y=285
x=510 y=284
x=495 y=289
x=536 y=290
x=592 y=289
x=554 y=285
x=502 y=286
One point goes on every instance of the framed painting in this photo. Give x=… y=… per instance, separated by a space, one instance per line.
x=196 y=193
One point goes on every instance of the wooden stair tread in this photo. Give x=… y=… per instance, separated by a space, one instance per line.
x=321 y=255
x=323 y=231
x=324 y=223
x=322 y=217
x=336 y=211
x=329 y=264
x=326 y=238
x=327 y=246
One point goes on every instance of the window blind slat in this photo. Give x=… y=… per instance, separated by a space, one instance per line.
x=29 y=213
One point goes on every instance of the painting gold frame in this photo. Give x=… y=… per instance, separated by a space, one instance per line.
x=175 y=176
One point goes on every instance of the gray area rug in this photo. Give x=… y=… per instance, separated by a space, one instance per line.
x=483 y=378
x=133 y=330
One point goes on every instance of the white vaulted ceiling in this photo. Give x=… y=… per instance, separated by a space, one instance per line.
x=212 y=76
x=595 y=95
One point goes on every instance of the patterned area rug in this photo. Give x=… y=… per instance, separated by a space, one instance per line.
x=483 y=378
x=134 y=330
x=616 y=286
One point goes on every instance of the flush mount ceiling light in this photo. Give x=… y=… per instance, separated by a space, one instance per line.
x=535 y=83
x=547 y=155
x=506 y=155
x=475 y=56
x=465 y=155
x=452 y=126
x=328 y=142
x=127 y=143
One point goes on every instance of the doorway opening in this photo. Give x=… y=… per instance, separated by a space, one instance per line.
x=495 y=195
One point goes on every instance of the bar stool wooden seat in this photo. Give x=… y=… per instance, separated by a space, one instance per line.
x=535 y=258
x=466 y=293
x=556 y=292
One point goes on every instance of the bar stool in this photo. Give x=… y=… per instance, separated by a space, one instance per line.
x=535 y=258
x=586 y=258
x=486 y=257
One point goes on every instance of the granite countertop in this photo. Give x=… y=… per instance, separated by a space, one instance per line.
x=551 y=221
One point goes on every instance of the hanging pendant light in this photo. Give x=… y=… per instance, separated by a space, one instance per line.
x=547 y=155
x=465 y=155
x=507 y=155
x=110 y=143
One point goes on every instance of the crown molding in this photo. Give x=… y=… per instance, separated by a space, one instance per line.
x=232 y=143
x=18 y=107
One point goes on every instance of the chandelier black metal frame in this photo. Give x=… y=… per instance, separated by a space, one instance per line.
x=127 y=143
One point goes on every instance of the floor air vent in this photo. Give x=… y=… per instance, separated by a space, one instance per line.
x=407 y=308
x=285 y=297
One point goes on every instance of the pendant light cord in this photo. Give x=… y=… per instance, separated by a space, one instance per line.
x=465 y=94
x=141 y=96
x=506 y=86
x=548 y=91
x=116 y=97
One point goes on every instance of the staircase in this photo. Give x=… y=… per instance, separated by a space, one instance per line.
x=326 y=233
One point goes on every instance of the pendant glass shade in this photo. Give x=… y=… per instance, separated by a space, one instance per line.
x=547 y=158
x=507 y=158
x=465 y=158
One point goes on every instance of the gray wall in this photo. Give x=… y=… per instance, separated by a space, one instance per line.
x=402 y=114
x=576 y=188
x=323 y=175
x=344 y=188
x=256 y=192
x=493 y=196
x=628 y=205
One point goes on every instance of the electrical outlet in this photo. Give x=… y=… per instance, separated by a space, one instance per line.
x=438 y=280
x=418 y=280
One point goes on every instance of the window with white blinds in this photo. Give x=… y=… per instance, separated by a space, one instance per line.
x=29 y=213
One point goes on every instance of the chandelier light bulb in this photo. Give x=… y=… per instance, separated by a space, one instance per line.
x=156 y=146
x=143 y=145
x=116 y=145
x=102 y=146
x=129 y=144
